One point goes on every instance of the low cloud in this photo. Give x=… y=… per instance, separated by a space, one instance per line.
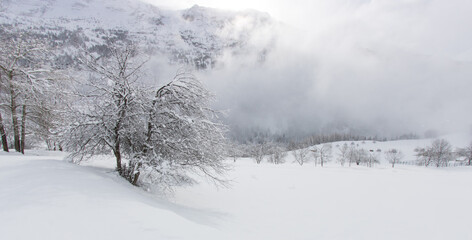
x=383 y=67
x=375 y=66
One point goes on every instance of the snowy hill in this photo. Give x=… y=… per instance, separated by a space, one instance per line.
x=196 y=36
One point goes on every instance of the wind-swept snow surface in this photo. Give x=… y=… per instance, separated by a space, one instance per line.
x=42 y=197
x=292 y=202
x=50 y=199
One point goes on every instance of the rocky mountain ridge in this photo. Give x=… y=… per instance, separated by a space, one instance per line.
x=197 y=36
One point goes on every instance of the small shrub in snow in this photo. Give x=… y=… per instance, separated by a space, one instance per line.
x=259 y=151
x=277 y=155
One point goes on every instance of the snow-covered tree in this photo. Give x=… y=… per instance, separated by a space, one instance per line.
x=372 y=157
x=235 y=151
x=183 y=135
x=352 y=154
x=156 y=137
x=277 y=154
x=48 y=115
x=27 y=81
x=323 y=153
x=259 y=150
x=442 y=152
x=343 y=154
x=108 y=107
x=466 y=153
x=438 y=153
x=423 y=156
x=393 y=156
x=301 y=155
x=15 y=60
x=360 y=156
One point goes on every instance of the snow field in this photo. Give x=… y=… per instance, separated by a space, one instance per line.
x=43 y=197
x=50 y=199
x=293 y=202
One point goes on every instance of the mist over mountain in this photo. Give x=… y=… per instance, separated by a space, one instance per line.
x=196 y=36
x=380 y=68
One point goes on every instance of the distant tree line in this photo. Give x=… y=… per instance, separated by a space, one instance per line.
x=439 y=154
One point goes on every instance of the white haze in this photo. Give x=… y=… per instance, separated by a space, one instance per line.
x=382 y=67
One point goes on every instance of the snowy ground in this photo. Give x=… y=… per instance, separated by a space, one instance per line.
x=50 y=199
x=290 y=202
x=42 y=197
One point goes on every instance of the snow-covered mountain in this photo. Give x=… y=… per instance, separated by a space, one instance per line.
x=196 y=36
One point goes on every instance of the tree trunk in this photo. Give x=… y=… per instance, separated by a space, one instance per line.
x=135 y=180
x=2 y=130
x=116 y=147
x=23 y=129
x=117 y=153
x=14 y=117
x=4 y=136
x=122 y=104
x=150 y=125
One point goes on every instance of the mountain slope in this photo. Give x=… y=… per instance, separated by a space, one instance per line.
x=195 y=36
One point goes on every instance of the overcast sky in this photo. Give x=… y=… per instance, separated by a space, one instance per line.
x=392 y=66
